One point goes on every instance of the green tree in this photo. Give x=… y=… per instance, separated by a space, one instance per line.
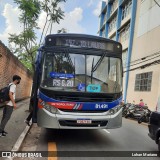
x=26 y=43
x=63 y=30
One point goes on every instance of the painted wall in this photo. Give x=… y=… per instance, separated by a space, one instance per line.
x=146 y=43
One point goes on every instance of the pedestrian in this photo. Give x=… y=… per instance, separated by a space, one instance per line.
x=141 y=103
x=27 y=120
x=10 y=105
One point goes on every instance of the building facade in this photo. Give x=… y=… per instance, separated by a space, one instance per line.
x=117 y=22
x=136 y=24
x=144 y=76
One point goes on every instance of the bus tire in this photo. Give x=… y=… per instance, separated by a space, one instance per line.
x=139 y=121
x=159 y=144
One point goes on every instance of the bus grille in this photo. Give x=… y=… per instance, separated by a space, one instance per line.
x=83 y=111
x=83 y=99
x=73 y=123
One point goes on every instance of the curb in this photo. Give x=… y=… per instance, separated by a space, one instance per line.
x=20 y=140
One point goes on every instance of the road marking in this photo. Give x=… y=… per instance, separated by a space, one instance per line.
x=52 y=147
x=106 y=131
x=20 y=140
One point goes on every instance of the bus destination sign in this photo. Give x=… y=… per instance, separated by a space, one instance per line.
x=80 y=43
x=84 y=44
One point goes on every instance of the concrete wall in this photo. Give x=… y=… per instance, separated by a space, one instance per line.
x=146 y=43
x=9 y=66
x=149 y=97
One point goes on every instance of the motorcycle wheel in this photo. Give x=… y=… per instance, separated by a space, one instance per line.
x=126 y=116
x=139 y=121
x=147 y=119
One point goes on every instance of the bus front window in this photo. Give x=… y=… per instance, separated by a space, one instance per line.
x=106 y=76
x=81 y=73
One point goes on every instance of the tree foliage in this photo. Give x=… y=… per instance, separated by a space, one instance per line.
x=26 y=42
x=63 y=30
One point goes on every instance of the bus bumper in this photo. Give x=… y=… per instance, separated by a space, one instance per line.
x=69 y=120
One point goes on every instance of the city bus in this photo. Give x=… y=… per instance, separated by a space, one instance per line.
x=78 y=82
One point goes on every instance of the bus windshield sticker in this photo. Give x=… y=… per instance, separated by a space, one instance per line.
x=94 y=88
x=81 y=87
x=61 y=75
x=63 y=83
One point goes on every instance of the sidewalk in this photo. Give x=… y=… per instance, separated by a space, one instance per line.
x=15 y=125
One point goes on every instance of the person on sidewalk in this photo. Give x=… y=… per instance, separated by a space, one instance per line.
x=10 y=105
x=27 y=120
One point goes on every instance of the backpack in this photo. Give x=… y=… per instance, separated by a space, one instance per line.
x=4 y=94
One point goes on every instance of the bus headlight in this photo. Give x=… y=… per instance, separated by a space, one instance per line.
x=50 y=108
x=114 y=110
x=111 y=111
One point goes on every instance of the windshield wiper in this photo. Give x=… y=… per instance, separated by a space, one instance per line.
x=94 y=68
x=99 y=62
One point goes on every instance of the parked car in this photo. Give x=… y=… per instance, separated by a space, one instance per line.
x=154 y=125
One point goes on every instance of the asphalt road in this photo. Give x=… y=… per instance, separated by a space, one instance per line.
x=88 y=144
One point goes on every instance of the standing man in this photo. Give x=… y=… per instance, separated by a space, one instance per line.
x=8 y=109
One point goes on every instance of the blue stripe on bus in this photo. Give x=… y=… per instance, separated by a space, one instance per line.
x=85 y=105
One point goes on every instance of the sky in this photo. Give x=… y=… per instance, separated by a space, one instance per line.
x=81 y=16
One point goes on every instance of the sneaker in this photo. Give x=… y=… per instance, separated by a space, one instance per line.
x=2 y=134
x=27 y=122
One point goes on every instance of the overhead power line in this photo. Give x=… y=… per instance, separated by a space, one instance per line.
x=141 y=62
x=157 y=3
x=145 y=65
x=143 y=58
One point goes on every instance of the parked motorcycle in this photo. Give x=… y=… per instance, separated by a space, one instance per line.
x=125 y=108
x=134 y=111
x=145 y=117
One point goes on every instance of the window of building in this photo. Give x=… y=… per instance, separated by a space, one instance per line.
x=103 y=33
x=142 y=1
x=114 y=6
x=105 y=16
x=126 y=10
x=112 y=24
x=124 y=57
x=143 y=82
x=124 y=34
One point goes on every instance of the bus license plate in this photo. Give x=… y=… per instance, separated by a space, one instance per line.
x=84 y=121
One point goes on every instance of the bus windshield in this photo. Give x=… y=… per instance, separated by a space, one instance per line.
x=81 y=72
